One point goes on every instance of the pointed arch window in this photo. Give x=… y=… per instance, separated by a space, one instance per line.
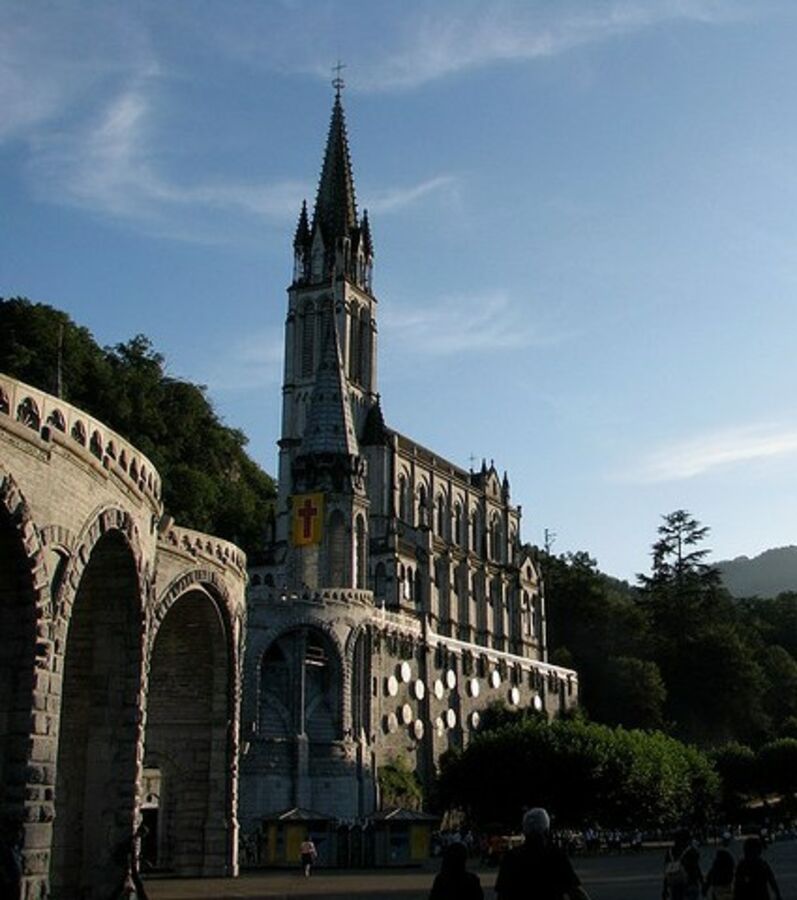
x=458 y=535
x=364 y=326
x=360 y=557
x=441 y=516
x=308 y=326
x=404 y=499
x=354 y=344
x=423 y=507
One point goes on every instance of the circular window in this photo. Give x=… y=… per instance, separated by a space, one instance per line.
x=451 y=679
x=439 y=690
x=473 y=687
x=405 y=672
x=392 y=686
x=419 y=689
x=406 y=714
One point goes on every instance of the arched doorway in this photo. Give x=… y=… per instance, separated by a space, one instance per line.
x=17 y=651
x=189 y=709
x=99 y=726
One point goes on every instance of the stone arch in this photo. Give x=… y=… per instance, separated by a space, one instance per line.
x=25 y=740
x=359 y=651
x=99 y=639
x=102 y=521
x=310 y=689
x=189 y=740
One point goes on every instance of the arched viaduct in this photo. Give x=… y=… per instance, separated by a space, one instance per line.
x=120 y=644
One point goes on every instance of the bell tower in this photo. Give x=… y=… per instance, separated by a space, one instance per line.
x=329 y=382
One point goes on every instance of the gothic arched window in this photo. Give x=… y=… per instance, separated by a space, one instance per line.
x=354 y=344
x=364 y=346
x=423 y=507
x=360 y=553
x=308 y=325
x=441 y=516
x=404 y=499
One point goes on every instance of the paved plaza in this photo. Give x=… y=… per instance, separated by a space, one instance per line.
x=606 y=877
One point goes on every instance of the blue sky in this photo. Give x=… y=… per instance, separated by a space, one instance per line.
x=584 y=213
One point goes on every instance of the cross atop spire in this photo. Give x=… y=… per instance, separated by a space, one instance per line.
x=337 y=82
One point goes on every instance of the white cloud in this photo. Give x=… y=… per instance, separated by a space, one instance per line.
x=108 y=168
x=390 y=200
x=459 y=323
x=443 y=42
x=721 y=449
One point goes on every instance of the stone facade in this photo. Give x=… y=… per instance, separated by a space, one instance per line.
x=122 y=636
x=395 y=599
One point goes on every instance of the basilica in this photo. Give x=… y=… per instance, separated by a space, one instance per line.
x=395 y=599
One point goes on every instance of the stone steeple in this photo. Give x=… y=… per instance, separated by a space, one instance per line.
x=336 y=243
x=335 y=210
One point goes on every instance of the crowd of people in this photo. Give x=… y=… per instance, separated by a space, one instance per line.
x=539 y=866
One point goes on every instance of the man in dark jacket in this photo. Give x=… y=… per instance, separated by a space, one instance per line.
x=537 y=868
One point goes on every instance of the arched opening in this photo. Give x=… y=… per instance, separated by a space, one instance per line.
x=98 y=731
x=404 y=499
x=17 y=649
x=187 y=737
x=355 y=359
x=307 y=350
x=300 y=687
x=361 y=554
x=360 y=678
x=440 y=509
x=365 y=347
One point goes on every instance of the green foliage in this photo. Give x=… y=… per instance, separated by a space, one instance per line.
x=709 y=665
x=595 y=626
x=209 y=482
x=581 y=772
x=399 y=785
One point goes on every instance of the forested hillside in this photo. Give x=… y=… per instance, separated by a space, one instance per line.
x=209 y=481
x=676 y=651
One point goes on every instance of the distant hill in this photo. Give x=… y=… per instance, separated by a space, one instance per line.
x=766 y=575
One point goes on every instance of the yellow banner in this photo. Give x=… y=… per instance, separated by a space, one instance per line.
x=308 y=519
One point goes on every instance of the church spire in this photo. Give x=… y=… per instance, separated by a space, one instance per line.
x=335 y=206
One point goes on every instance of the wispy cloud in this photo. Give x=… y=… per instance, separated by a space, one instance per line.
x=108 y=167
x=458 y=323
x=432 y=42
x=722 y=449
x=390 y=200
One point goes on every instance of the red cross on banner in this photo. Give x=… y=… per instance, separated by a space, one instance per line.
x=307 y=518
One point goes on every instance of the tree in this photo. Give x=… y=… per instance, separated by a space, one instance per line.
x=581 y=772
x=209 y=482
x=710 y=668
x=595 y=626
x=399 y=785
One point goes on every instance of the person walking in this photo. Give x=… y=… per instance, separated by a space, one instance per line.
x=308 y=854
x=754 y=878
x=453 y=881
x=683 y=879
x=719 y=880
x=538 y=867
